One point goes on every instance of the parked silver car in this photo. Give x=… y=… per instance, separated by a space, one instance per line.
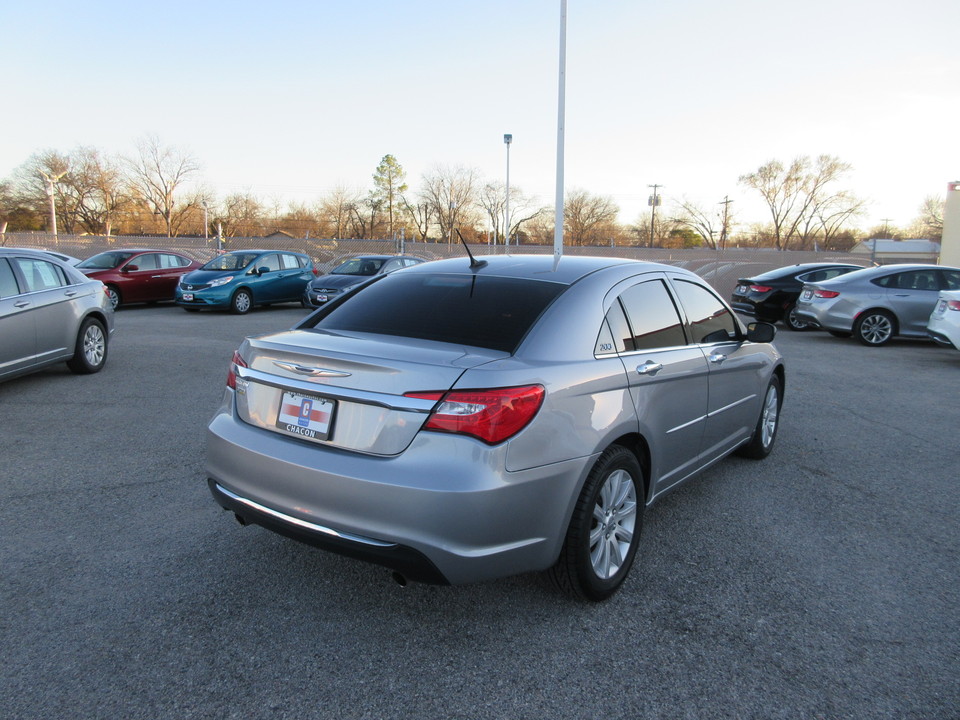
x=878 y=303
x=460 y=420
x=49 y=313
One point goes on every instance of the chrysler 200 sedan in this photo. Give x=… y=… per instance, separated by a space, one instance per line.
x=879 y=303
x=466 y=420
x=50 y=313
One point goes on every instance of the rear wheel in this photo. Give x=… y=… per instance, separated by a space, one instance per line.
x=91 y=349
x=765 y=432
x=604 y=533
x=874 y=328
x=793 y=322
x=241 y=302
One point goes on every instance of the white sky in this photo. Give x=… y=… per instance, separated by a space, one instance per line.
x=288 y=99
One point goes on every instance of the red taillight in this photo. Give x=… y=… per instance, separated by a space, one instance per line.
x=488 y=415
x=760 y=288
x=232 y=373
x=826 y=294
x=953 y=304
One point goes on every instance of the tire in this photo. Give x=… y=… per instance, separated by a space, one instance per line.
x=90 y=354
x=765 y=433
x=791 y=320
x=241 y=302
x=114 y=296
x=839 y=333
x=875 y=328
x=601 y=542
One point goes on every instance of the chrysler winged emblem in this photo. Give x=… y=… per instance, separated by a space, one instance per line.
x=313 y=372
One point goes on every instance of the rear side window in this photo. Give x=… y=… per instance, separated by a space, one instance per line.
x=480 y=311
x=654 y=321
x=8 y=282
x=40 y=274
x=952 y=279
x=290 y=262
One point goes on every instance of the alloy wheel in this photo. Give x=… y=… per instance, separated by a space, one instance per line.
x=614 y=521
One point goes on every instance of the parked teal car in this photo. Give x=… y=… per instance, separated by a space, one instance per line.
x=238 y=280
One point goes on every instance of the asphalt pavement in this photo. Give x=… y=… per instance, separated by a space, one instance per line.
x=819 y=583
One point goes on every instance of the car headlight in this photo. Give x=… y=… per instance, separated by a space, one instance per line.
x=221 y=281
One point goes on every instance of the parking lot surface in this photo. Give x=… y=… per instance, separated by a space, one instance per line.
x=820 y=583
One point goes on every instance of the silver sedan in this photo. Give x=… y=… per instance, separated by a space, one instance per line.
x=459 y=421
x=50 y=313
x=879 y=303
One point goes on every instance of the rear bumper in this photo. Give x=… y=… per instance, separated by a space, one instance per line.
x=408 y=562
x=443 y=511
x=941 y=339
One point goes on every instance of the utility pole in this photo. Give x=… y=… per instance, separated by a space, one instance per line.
x=723 y=231
x=653 y=201
x=52 y=180
x=507 y=139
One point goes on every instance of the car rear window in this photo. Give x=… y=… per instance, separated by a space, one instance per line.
x=480 y=311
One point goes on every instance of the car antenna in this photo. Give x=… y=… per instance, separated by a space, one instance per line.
x=474 y=263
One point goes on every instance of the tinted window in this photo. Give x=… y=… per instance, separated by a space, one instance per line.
x=147 y=261
x=487 y=312
x=819 y=275
x=710 y=321
x=172 y=261
x=231 y=261
x=40 y=274
x=105 y=260
x=8 y=282
x=616 y=325
x=952 y=279
x=915 y=280
x=654 y=321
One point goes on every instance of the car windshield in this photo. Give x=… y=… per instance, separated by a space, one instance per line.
x=480 y=311
x=105 y=260
x=359 y=266
x=230 y=261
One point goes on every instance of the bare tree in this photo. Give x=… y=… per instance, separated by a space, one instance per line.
x=241 y=215
x=158 y=173
x=929 y=222
x=589 y=219
x=706 y=224
x=335 y=211
x=493 y=198
x=794 y=194
x=450 y=193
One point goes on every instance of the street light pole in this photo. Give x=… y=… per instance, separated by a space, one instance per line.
x=205 y=225
x=507 y=139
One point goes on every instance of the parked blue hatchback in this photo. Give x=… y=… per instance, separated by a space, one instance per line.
x=241 y=279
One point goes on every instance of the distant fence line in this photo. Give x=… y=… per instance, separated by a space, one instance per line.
x=721 y=268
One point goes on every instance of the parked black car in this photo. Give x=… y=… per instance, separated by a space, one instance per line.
x=772 y=296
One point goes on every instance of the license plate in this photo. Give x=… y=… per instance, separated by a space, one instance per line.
x=807 y=294
x=306 y=416
x=321 y=298
x=188 y=297
x=741 y=289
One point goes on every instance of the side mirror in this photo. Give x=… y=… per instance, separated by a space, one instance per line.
x=761 y=332
x=129 y=268
x=262 y=270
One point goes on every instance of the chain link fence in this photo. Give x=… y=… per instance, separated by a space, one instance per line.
x=721 y=268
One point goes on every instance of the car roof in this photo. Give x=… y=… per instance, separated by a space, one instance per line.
x=568 y=269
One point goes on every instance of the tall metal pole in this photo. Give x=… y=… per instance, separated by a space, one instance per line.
x=723 y=231
x=561 y=103
x=51 y=180
x=507 y=139
x=205 y=231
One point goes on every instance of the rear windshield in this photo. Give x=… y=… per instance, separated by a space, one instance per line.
x=488 y=312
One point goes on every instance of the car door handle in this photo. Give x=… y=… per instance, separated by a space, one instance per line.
x=717 y=358
x=70 y=293
x=649 y=368
x=21 y=304
x=157 y=276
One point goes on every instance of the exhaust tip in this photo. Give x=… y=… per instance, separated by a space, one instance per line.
x=398 y=579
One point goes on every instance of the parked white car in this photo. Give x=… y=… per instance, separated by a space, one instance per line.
x=944 y=325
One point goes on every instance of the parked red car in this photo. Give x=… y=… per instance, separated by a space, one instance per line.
x=138 y=275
